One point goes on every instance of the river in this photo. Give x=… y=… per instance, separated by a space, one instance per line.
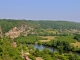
x=52 y=49
x=41 y=47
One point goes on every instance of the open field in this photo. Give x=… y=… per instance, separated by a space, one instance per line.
x=39 y=58
x=76 y=44
x=49 y=38
x=60 y=38
x=69 y=39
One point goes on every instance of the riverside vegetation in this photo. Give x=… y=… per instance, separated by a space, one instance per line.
x=65 y=35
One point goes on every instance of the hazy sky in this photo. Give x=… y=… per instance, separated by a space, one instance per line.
x=40 y=9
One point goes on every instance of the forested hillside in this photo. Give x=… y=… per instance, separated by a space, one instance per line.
x=58 y=24
x=18 y=37
x=7 y=24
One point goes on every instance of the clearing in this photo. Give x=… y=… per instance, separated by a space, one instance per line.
x=69 y=39
x=49 y=38
x=76 y=44
x=39 y=58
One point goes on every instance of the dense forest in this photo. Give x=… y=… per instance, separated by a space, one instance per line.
x=7 y=24
x=15 y=35
x=7 y=51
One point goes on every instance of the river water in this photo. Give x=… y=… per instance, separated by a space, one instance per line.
x=41 y=47
x=52 y=49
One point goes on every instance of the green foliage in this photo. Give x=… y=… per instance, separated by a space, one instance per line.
x=24 y=47
x=69 y=39
x=60 y=49
x=38 y=53
x=7 y=24
x=32 y=57
x=56 y=24
x=41 y=28
x=77 y=37
x=7 y=52
x=65 y=45
x=73 y=57
x=46 y=51
x=31 y=46
x=28 y=39
x=47 y=57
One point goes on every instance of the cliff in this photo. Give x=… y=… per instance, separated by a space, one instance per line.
x=15 y=32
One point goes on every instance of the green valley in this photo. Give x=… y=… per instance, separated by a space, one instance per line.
x=15 y=35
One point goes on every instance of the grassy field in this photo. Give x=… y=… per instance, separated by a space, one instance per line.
x=28 y=39
x=48 y=38
x=33 y=39
x=76 y=44
x=69 y=39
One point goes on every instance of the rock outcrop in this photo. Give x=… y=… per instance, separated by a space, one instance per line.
x=15 y=32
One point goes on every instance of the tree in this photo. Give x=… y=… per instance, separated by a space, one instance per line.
x=45 y=51
x=60 y=49
x=73 y=57
x=77 y=37
x=47 y=57
x=31 y=57
x=37 y=52
x=66 y=46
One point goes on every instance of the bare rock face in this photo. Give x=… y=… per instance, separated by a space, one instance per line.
x=15 y=32
x=0 y=31
x=26 y=32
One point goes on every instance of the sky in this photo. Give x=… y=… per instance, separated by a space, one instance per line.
x=67 y=10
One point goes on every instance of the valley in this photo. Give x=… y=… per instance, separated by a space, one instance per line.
x=60 y=35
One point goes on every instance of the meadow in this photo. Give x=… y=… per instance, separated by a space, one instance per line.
x=69 y=39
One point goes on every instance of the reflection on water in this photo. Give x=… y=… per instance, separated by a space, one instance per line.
x=52 y=49
x=41 y=47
